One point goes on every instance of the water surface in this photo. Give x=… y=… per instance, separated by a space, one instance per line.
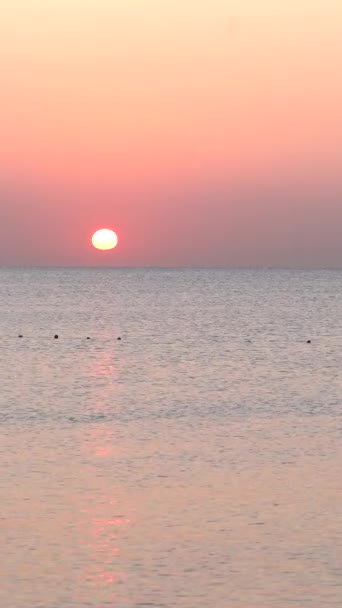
x=195 y=463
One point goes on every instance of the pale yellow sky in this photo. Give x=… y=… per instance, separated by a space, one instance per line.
x=158 y=82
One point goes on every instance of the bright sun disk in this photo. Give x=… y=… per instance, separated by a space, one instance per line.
x=104 y=239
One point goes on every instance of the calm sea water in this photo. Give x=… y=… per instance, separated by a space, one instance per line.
x=195 y=463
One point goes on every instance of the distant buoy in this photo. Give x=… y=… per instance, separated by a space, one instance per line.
x=88 y=338
x=308 y=341
x=20 y=336
x=56 y=336
x=119 y=338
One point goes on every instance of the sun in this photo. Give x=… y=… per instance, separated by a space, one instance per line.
x=104 y=239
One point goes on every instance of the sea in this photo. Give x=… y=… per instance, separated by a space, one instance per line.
x=195 y=462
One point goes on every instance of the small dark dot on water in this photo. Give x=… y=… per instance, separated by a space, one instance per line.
x=119 y=338
x=56 y=336
x=88 y=338
x=20 y=336
x=308 y=341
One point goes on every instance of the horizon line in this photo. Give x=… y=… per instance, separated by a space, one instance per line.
x=166 y=267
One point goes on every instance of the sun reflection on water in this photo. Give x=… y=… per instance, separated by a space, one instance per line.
x=104 y=522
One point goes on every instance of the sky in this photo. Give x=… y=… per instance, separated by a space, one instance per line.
x=206 y=133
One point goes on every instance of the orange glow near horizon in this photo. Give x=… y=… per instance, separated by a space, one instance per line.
x=104 y=239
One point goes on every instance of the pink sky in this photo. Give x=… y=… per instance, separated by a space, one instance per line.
x=205 y=133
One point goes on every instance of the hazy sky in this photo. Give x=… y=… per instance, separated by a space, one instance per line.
x=206 y=132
